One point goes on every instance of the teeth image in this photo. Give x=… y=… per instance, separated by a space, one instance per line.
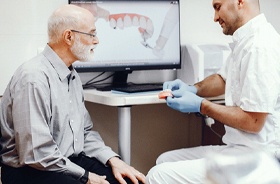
x=143 y=23
x=127 y=21
x=113 y=23
x=120 y=23
x=135 y=21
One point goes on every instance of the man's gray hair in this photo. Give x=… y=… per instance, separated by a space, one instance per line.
x=58 y=23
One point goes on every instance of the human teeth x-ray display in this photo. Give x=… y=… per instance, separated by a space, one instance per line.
x=144 y=31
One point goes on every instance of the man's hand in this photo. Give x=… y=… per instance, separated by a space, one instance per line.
x=121 y=170
x=96 y=179
x=179 y=86
x=184 y=102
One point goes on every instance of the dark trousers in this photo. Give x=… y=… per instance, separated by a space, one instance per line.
x=29 y=175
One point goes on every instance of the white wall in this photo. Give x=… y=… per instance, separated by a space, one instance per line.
x=197 y=23
x=23 y=28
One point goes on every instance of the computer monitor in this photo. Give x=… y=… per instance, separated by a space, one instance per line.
x=133 y=35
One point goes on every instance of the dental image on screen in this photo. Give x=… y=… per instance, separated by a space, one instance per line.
x=134 y=33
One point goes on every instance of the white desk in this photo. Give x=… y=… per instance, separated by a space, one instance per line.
x=124 y=103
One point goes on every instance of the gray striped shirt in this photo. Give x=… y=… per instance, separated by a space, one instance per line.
x=44 y=119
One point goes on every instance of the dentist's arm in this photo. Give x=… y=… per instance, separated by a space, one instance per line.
x=235 y=117
x=211 y=86
x=185 y=99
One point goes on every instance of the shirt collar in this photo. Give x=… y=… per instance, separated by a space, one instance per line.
x=248 y=28
x=60 y=67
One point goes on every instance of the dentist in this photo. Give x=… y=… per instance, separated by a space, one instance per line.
x=250 y=81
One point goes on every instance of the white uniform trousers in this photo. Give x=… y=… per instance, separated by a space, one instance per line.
x=187 y=165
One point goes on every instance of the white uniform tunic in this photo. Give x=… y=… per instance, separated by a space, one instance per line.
x=252 y=75
x=252 y=82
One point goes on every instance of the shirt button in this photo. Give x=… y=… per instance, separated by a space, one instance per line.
x=76 y=140
x=70 y=101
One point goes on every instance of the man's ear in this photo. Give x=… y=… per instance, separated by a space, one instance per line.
x=68 y=37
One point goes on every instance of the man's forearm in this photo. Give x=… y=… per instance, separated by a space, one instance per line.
x=234 y=116
x=211 y=86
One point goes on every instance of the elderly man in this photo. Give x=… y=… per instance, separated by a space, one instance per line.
x=47 y=134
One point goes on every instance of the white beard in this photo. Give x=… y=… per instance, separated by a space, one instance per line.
x=81 y=51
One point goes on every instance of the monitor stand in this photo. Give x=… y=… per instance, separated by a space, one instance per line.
x=119 y=80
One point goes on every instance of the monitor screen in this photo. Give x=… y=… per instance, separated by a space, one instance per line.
x=134 y=35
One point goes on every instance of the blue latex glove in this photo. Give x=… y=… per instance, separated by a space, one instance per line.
x=184 y=102
x=179 y=86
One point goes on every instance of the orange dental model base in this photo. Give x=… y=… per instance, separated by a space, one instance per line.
x=164 y=94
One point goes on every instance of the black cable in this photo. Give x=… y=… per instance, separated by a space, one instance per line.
x=101 y=80
x=94 y=78
x=93 y=84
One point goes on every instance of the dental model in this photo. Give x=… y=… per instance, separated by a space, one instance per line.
x=165 y=93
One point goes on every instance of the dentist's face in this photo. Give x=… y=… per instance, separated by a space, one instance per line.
x=227 y=15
